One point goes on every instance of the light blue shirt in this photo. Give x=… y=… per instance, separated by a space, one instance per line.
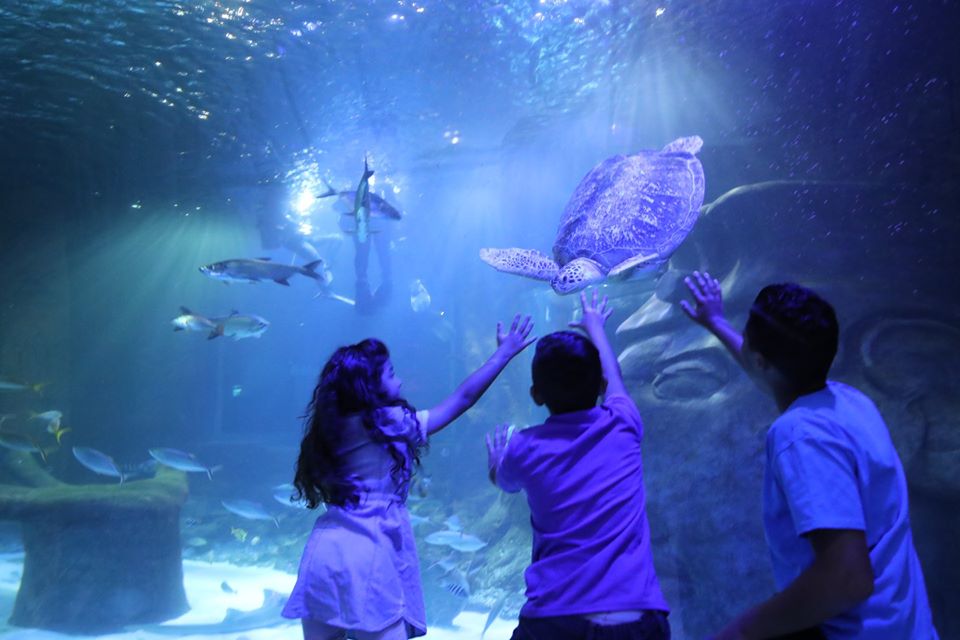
x=831 y=465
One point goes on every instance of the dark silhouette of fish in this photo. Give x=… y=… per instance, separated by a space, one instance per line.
x=268 y=615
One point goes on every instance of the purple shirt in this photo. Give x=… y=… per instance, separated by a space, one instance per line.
x=583 y=476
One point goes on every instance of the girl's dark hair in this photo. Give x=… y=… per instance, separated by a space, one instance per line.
x=350 y=384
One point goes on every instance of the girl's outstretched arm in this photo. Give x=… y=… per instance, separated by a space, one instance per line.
x=509 y=343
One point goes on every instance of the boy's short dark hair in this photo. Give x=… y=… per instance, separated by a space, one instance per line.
x=796 y=331
x=566 y=372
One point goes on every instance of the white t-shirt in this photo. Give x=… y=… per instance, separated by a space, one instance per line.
x=831 y=465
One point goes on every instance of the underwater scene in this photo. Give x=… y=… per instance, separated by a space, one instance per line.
x=202 y=200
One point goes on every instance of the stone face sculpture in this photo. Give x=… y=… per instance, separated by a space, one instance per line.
x=97 y=557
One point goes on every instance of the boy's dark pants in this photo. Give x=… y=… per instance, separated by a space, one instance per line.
x=653 y=626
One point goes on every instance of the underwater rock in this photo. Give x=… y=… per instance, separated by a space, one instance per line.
x=97 y=557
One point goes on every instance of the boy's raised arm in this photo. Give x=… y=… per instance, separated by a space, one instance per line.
x=708 y=311
x=595 y=316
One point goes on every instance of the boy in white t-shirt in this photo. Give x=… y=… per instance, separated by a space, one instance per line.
x=835 y=506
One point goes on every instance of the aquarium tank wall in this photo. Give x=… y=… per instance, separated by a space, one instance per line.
x=153 y=391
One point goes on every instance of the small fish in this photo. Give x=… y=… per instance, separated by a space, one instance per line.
x=456 y=540
x=52 y=418
x=190 y=321
x=238 y=326
x=180 y=460
x=12 y=387
x=145 y=469
x=20 y=442
x=197 y=541
x=6 y=417
x=456 y=583
x=417 y=520
x=448 y=564
x=236 y=390
x=239 y=534
x=286 y=494
x=98 y=462
x=226 y=588
x=419 y=296
x=249 y=510
x=259 y=269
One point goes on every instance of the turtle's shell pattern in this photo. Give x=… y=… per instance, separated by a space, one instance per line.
x=631 y=205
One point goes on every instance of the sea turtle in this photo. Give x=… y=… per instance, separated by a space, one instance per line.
x=627 y=215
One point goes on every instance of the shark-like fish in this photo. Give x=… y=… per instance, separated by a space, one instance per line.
x=251 y=270
x=235 y=621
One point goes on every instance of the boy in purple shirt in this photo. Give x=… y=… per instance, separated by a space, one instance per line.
x=592 y=573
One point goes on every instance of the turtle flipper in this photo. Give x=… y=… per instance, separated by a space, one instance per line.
x=690 y=144
x=630 y=264
x=577 y=274
x=522 y=262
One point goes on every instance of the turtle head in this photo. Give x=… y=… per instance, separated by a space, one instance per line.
x=577 y=274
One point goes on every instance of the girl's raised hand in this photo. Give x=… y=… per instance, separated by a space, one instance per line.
x=517 y=338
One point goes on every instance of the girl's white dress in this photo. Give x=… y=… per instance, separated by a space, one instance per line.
x=359 y=570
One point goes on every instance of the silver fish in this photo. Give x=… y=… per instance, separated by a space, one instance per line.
x=259 y=269
x=189 y=321
x=456 y=540
x=238 y=326
x=11 y=387
x=20 y=442
x=180 y=460
x=249 y=510
x=419 y=296
x=98 y=462
x=286 y=494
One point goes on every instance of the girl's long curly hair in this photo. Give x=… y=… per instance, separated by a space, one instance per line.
x=349 y=384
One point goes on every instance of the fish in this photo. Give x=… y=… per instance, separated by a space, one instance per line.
x=238 y=326
x=419 y=296
x=189 y=321
x=456 y=583
x=98 y=462
x=145 y=469
x=285 y=494
x=236 y=390
x=226 y=588
x=255 y=270
x=20 y=442
x=417 y=520
x=181 y=460
x=494 y=612
x=453 y=523
x=448 y=564
x=361 y=206
x=456 y=540
x=235 y=621
x=239 y=534
x=249 y=510
x=12 y=387
x=6 y=417
x=52 y=418
x=379 y=208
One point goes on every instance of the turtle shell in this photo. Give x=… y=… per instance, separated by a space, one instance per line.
x=632 y=205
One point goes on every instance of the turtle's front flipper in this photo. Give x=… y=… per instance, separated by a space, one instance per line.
x=625 y=268
x=576 y=275
x=522 y=262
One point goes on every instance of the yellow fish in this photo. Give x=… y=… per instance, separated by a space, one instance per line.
x=239 y=534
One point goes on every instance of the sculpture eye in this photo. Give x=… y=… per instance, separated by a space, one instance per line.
x=692 y=375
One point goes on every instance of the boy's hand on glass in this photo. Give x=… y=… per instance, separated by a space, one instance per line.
x=595 y=314
x=517 y=338
x=497 y=446
x=708 y=299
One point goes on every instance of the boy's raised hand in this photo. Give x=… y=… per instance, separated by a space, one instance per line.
x=517 y=338
x=708 y=298
x=595 y=314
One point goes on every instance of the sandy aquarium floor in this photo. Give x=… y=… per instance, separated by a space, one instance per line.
x=209 y=603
